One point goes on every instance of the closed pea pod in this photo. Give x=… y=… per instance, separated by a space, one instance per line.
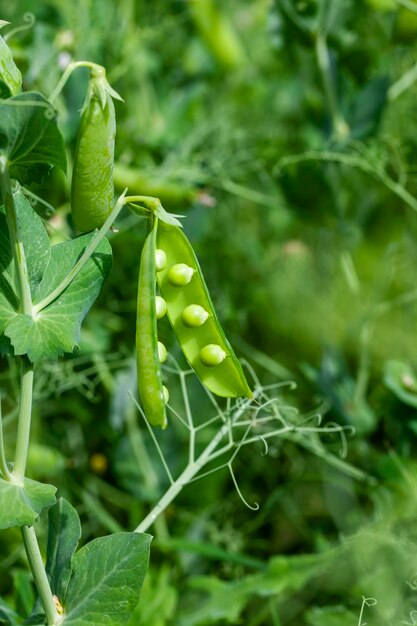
x=148 y=352
x=193 y=318
x=92 y=189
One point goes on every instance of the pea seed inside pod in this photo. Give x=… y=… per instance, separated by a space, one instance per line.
x=160 y=260
x=160 y=307
x=166 y=394
x=212 y=355
x=162 y=352
x=194 y=316
x=180 y=275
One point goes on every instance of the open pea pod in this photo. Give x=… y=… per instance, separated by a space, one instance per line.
x=192 y=315
x=150 y=386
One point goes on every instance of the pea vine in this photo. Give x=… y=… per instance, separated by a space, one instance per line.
x=45 y=293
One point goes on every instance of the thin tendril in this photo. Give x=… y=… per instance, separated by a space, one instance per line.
x=255 y=506
x=154 y=439
x=35 y=199
x=30 y=20
x=266 y=447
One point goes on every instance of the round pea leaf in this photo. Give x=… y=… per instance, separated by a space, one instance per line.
x=29 y=137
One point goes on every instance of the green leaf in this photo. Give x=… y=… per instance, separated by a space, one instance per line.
x=21 y=505
x=35 y=239
x=6 y=253
x=402 y=381
x=168 y=218
x=8 y=298
x=8 y=302
x=227 y=600
x=7 y=615
x=29 y=137
x=64 y=532
x=44 y=462
x=38 y=619
x=56 y=329
x=9 y=74
x=24 y=593
x=366 y=111
x=331 y=616
x=158 y=604
x=107 y=577
x=153 y=205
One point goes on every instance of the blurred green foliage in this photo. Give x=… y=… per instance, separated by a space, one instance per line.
x=286 y=131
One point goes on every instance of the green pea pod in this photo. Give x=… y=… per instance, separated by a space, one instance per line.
x=92 y=190
x=9 y=73
x=193 y=318
x=150 y=386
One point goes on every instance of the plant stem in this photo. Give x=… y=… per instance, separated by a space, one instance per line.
x=17 y=246
x=403 y=83
x=193 y=468
x=84 y=258
x=26 y=393
x=149 y=476
x=23 y=425
x=39 y=575
x=339 y=126
x=67 y=73
x=190 y=471
x=3 y=463
x=353 y=161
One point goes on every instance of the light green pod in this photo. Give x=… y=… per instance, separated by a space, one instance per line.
x=92 y=189
x=224 y=378
x=151 y=390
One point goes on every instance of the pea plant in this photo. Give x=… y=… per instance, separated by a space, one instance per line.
x=45 y=293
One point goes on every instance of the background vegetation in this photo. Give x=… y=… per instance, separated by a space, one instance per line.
x=286 y=132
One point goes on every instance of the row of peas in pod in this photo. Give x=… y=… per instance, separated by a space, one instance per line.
x=168 y=260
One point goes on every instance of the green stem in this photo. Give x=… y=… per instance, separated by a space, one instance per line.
x=67 y=73
x=39 y=575
x=218 y=34
x=149 y=476
x=17 y=246
x=94 y=243
x=26 y=393
x=349 y=271
x=23 y=425
x=353 y=161
x=3 y=463
x=190 y=471
x=340 y=128
x=403 y=83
